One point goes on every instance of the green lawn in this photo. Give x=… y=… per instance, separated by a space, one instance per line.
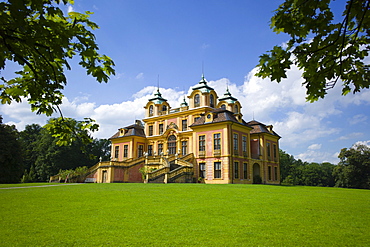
x=184 y=215
x=23 y=185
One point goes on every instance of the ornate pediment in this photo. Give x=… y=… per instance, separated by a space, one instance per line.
x=172 y=126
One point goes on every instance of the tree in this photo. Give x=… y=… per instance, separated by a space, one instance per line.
x=38 y=36
x=286 y=164
x=353 y=170
x=10 y=154
x=45 y=157
x=68 y=130
x=297 y=172
x=28 y=138
x=99 y=148
x=52 y=157
x=327 y=51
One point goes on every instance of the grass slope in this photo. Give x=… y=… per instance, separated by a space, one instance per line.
x=22 y=185
x=184 y=215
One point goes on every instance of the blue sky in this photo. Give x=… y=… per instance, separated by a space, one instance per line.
x=173 y=39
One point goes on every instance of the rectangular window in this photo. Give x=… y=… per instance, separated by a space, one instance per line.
x=217 y=170
x=160 y=129
x=140 y=151
x=245 y=170
x=150 y=130
x=268 y=150
x=171 y=145
x=116 y=152
x=244 y=146
x=196 y=118
x=160 y=148
x=269 y=171
x=217 y=141
x=236 y=142
x=202 y=143
x=150 y=150
x=236 y=169
x=184 y=124
x=125 y=151
x=184 y=147
x=202 y=170
x=276 y=173
x=275 y=152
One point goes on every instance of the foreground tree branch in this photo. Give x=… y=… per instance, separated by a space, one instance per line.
x=38 y=36
x=325 y=51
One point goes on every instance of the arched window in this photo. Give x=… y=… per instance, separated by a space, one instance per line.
x=236 y=109
x=223 y=106
x=211 y=100
x=196 y=100
x=164 y=108
x=150 y=110
x=172 y=144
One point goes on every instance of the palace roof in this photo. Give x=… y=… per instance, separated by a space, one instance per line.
x=219 y=115
x=132 y=130
x=261 y=128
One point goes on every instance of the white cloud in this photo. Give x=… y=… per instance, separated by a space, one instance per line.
x=139 y=76
x=118 y=75
x=360 y=118
x=70 y=8
x=354 y=135
x=314 y=146
x=366 y=143
x=299 y=128
x=20 y=115
x=76 y=108
x=319 y=157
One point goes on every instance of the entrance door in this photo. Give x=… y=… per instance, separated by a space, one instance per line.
x=105 y=176
x=257 y=174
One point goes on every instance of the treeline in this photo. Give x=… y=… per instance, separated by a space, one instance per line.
x=353 y=170
x=32 y=154
x=298 y=172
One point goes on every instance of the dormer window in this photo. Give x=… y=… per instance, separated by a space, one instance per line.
x=236 y=109
x=150 y=111
x=196 y=100
x=211 y=101
x=164 y=108
x=223 y=106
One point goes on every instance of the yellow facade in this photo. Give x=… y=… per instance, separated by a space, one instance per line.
x=205 y=140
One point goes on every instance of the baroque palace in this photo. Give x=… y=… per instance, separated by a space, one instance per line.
x=206 y=141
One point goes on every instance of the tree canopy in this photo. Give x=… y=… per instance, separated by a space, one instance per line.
x=297 y=172
x=35 y=154
x=11 y=166
x=326 y=50
x=353 y=170
x=39 y=37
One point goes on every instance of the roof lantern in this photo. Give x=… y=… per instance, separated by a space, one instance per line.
x=202 y=86
x=158 y=99
x=228 y=98
x=184 y=104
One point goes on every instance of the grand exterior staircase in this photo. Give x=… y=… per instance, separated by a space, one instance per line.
x=159 y=169
x=173 y=169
